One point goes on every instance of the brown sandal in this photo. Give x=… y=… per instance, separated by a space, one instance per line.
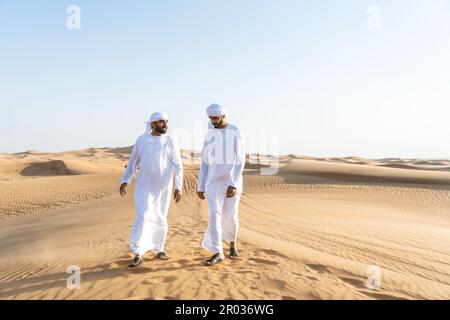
x=215 y=259
x=234 y=253
x=162 y=255
x=137 y=260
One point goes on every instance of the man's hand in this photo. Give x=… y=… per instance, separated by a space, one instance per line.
x=201 y=195
x=177 y=195
x=123 y=189
x=231 y=192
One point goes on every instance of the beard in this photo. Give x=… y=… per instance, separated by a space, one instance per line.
x=161 y=130
x=218 y=124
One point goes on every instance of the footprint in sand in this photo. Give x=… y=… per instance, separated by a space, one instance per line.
x=274 y=253
x=169 y=279
x=244 y=271
x=319 y=268
x=183 y=262
x=381 y=296
x=274 y=284
x=354 y=282
x=264 y=261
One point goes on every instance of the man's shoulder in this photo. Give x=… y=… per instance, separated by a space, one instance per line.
x=171 y=141
x=142 y=137
x=231 y=126
x=236 y=129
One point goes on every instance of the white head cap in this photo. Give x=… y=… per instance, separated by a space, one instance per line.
x=156 y=117
x=215 y=110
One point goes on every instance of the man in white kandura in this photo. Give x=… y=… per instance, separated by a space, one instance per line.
x=220 y=178
x=158 y=157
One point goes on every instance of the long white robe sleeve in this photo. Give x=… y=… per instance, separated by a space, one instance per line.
x=203 y=171
x=132 y=165
x=158 y=158
x=239 y=160
x=178 y=166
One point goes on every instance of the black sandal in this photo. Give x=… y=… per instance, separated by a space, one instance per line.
x=215 y=259
x=162 y=255
x=234 y=253
x=137 y=260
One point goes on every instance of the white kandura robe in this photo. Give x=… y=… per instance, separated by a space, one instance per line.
x=223 y=161
x=158 y=158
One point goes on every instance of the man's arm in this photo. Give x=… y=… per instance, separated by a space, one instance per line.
x=239 y=164
x=178 y=167
x=203 y=173
x=130 y=171
x=203 y=169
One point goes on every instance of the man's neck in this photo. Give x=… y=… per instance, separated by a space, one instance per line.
x=224 y=125
x=157 y=134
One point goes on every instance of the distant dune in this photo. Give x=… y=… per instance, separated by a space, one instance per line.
x=48 y=168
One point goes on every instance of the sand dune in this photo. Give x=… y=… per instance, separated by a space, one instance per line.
x=345 y=172
x=309 y=232
x=48 y=168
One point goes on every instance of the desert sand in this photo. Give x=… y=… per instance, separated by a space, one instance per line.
x=309 y=232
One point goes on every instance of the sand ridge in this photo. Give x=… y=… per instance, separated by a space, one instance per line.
x=309 y=232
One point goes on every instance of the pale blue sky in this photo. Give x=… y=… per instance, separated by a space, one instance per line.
x=310 y=69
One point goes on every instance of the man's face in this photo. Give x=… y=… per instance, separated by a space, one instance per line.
x=216 y=121
x=160 y=126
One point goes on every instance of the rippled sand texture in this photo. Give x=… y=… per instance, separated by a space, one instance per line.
x=309 y=232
